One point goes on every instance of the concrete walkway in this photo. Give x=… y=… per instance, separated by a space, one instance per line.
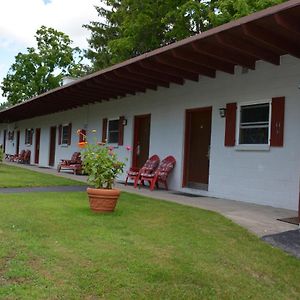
x=259 y=219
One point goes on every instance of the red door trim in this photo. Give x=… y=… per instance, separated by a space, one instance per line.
x=135 y=137
x=52 y=145
x=18 y=143
x=37 y=145
x=187 y=139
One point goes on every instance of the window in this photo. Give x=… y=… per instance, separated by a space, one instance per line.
x=113 y=131
x=254 y=124
x=28 y=136
x=11 y=135
x=65 y=134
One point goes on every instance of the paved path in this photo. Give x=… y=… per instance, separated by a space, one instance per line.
x=289 y=241
x=259 y=219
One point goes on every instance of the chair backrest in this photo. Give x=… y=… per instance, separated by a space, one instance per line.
x=151 y=164
x=21 y=155
x=166 y=166
x=76 y=158
x=27 y=156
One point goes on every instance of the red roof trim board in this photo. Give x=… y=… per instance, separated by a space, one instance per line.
x=265 y=35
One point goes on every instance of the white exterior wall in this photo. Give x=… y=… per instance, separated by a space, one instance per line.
x=264 y=177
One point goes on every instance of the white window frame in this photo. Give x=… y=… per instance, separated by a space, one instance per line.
x=107 y=132
x=62 y=134
x=28 y=134
x=253 y=147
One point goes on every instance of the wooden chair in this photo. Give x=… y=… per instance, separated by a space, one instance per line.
x=26 y=158
x=161 y=174
x=16 y=157
x=149 y=167
x=74 y=164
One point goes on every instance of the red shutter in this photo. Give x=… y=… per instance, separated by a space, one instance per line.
x=121 y=131
x=277 y=122
x=31 y=136
x=230 y=125
x=104 y=130
x=69 y=133
x=59 y=134
x=25 y=136
x=82 y=136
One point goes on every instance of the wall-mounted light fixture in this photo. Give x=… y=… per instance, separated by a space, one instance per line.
x=124 y=122
x=222 y=112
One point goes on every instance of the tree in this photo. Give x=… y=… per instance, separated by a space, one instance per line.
x=133 y=27
x=42 y=69
x=4 y=105
x=228 y=10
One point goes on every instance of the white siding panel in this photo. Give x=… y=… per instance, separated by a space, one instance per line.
x=266 y=177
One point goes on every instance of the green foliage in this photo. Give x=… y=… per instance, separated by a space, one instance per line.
x=4 y=105
x=102 y=165
x=229 y=10
x=133 y=27
x=42 y=69
x=1 y=155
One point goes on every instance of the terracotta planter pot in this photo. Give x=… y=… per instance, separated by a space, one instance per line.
x=103 y=200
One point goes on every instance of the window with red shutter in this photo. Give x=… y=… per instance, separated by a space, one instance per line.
x=113 y=131
x=65 y=134
x=261 y=123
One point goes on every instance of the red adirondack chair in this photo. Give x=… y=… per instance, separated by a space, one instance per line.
x=17 y=157
x=149 y=167
x=25 y=159
x=74 y=164
x=161 y=174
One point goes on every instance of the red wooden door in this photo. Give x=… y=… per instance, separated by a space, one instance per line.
x=141 y=140
x=197 y=148
x=18 y=143
x=52 y=145
x=37 y=145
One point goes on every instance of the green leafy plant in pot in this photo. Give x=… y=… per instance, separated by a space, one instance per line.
x=102 y=166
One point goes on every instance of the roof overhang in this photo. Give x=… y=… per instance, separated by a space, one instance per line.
x=265 y=35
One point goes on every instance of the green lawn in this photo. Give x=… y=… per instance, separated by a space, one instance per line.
x=11 y=176
x=53 y=247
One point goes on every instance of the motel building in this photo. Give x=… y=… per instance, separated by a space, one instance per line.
x=225 y=103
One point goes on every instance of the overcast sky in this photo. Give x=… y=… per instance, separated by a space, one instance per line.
x=19 y=20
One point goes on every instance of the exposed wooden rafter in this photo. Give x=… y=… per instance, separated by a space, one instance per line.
x=248 y=48
x=215 y=50
x=186 y=66
x=204 y=60
x=271 y=39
